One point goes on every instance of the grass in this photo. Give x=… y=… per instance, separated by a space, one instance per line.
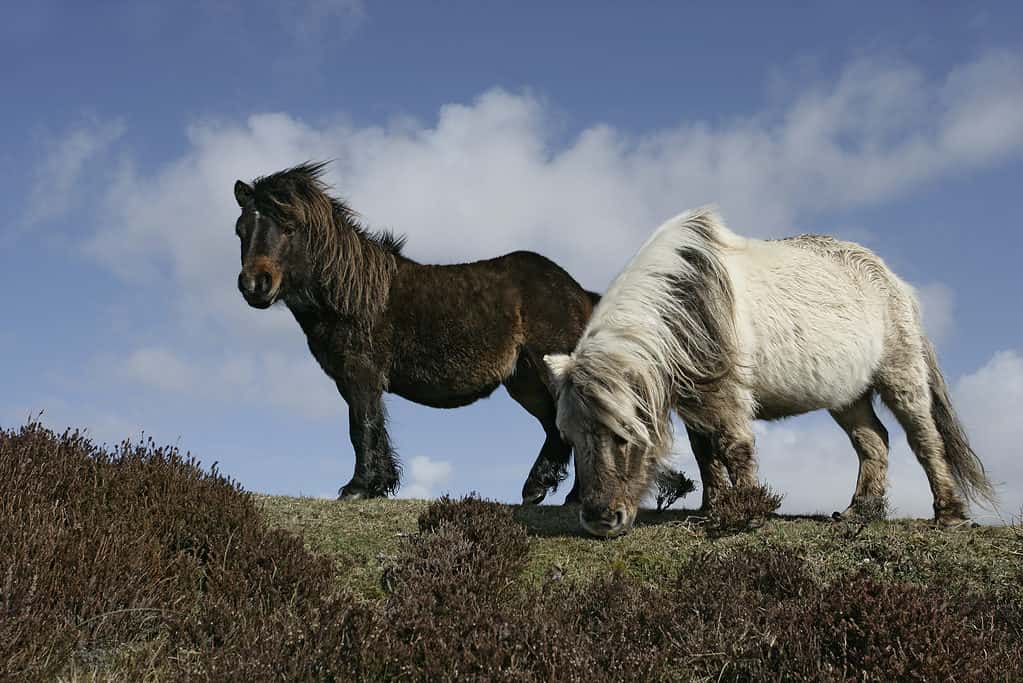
x=363 y=537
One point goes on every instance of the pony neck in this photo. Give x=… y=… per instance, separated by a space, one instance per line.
x=349 y=273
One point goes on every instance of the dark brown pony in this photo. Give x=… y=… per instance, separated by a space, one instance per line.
x=376 y=321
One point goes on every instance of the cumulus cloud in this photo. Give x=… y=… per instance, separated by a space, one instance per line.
x=988 y=402
x=314 y=19
x=486 y=177
x=269 y=378
x=937 y=303
x=60 y=170
x=424 y=476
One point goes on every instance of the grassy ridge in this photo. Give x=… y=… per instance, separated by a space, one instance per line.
x=364 y=537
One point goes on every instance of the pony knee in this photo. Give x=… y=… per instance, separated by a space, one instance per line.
x=739 y=459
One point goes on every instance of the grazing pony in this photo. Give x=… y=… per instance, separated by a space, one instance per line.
x=376 y=321
x=724 y=330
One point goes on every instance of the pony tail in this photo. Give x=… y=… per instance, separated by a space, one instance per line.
x=967 y=469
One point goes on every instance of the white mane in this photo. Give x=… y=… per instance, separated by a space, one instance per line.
x=664 y=331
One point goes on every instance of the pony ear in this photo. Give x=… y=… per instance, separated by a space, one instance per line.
x=558 y=365
x=243 y=193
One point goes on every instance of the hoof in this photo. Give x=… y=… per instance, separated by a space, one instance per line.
x=845 y=515
x=953 y=522
x=533 y=497
x=534 y=491
x=352 y=492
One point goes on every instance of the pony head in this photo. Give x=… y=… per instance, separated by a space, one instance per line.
x=615 y=455
x=304 y=247
x=267 y=242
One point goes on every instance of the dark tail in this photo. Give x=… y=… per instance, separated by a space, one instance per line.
x=967 y=469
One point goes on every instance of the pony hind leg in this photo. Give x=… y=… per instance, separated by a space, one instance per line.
x=551 y=466
x=906 y=391
x=870 y=440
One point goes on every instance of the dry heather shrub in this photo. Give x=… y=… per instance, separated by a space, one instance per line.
x=141 y=547
x=670 y=486
x=107 y=548
x=869 y=509
x=766 y=618
x=741 y=508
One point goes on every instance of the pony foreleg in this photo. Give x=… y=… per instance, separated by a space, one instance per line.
x=377 y=472
x=713 y=473
x=735 y=447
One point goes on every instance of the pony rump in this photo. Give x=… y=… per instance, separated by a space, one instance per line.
x=354 y=266
x=662 y=335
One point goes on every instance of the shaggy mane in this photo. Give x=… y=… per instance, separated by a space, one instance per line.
x=354 y=264
x=661 y=336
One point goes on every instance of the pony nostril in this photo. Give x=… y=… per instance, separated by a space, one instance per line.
x=263 y=282
x=619 y=518
x=246 y=283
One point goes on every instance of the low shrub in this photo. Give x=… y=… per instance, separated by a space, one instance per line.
x=671 y=486
x=741 y=508
x=107 y=548
x=868 y=509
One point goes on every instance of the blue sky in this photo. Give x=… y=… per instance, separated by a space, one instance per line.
x=572 y=129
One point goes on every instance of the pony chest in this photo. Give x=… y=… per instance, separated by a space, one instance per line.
x=334 y=352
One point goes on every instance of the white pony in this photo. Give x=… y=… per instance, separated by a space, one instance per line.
x=723 y=330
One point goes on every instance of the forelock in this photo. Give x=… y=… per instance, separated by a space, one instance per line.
x=591 y=401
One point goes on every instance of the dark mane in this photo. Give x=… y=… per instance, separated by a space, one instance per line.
x=278 y=192
x=352 y=264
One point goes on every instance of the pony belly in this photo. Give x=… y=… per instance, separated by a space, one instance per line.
x=818 y=364
x=812 y=382
x=441 y=397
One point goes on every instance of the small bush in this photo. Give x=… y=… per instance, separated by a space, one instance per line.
x=671 y=487
x=107 y=549
x=868 y=509
x=741 y=508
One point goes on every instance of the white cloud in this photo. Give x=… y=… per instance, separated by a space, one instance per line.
x=162 y=369
x=485 y=178
x=65 y=159
x=313 y=20
x=937 y=302
x=424 y=476
x=988 y=402
x=267 y=378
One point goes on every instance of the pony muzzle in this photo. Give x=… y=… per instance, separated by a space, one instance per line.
x=606 y=522
x=259 y=287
